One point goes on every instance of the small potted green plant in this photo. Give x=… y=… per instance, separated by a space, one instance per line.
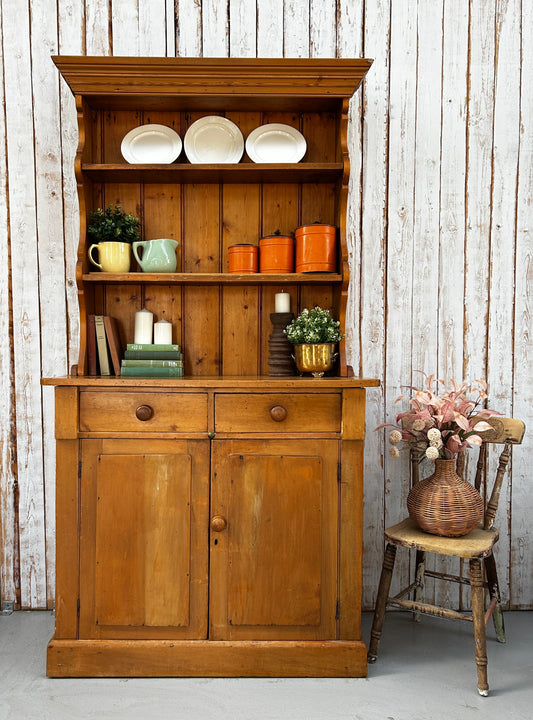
x=112 y=231
x=314 y=334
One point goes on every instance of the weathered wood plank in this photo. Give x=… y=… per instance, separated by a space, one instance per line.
x=125 y=25
x=242 y=28
x=153 y=36
x=502 y=238
x=171 y=27
x=270 y=28
x=188 y=28
x=98 y=39
x=71 y=31
x=521 y=561
x=215 y=28
x=349 y=43
x=480 y=118
x=425 y=298
x=50 y=242
x=322 y=28
x=452 y=225
x=25 y=294
x=369 y=319
x=8 y=534
x=400 y=246
x=480 y=78
x=296 y=28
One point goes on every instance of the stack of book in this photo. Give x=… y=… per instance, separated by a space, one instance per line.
x=143 y=360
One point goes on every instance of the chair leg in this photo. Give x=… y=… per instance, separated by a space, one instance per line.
x=419 y=590
x=381 y=602
x=495 y=606
x=478 y=616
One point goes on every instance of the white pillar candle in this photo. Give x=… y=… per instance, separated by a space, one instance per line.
x=144 y=321
x=282 y=302
x=163 y=332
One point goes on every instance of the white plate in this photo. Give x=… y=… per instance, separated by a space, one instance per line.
x=275 y=143
x=151 y=144
x=214 y=139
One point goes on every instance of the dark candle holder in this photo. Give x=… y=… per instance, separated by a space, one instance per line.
x=280 y=362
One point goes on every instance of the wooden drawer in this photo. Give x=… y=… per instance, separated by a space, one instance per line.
x=143 y=412
x=273 y=412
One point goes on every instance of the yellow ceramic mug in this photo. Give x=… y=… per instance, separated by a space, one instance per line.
x=114 y=256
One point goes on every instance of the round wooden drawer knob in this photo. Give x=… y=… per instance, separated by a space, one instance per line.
x=144 y=412
x=218 y=523
x=278 y=413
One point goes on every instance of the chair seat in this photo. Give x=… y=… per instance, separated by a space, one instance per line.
x=477 y=544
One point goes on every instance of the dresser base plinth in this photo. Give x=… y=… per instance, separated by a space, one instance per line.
x=205 y=658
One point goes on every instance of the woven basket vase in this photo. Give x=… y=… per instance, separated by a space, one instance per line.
x=445 y=504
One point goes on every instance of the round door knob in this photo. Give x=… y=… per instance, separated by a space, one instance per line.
x=144 y=412
x=278 y=413
x=218 y=523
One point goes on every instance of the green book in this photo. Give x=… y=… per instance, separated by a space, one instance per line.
x=152 y=363
x=149 y=355
x=151 y=371
x=149 y=347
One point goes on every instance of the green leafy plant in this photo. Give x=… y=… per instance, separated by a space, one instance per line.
x=113 y=224
x=312 y=327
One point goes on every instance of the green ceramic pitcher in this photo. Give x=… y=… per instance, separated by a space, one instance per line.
x=158 y=255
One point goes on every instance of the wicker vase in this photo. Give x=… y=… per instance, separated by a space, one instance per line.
x=445 y=504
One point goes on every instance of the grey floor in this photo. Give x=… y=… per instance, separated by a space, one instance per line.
x=425 y=671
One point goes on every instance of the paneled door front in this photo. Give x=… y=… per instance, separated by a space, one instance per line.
x=274 y=530
x=144 y=544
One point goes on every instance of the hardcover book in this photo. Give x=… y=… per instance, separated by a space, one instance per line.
x=101 y=344
x=152 y=363
x=126 y=371
x=150 y=347
x=149 y=355
x=92 y=364
x=113 y=341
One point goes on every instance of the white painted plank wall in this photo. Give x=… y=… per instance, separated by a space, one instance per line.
x=440 y=219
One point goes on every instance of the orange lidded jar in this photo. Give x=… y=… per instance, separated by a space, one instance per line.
x=243 y=258
x=276 y=253
x=316 y=248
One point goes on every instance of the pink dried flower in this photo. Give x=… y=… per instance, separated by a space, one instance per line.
x=441 y=425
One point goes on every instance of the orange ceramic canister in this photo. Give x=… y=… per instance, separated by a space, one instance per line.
x=316 y=248
x=243 y=258
x=276 y=253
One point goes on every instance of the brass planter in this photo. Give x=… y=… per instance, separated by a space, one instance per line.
x=315 y=359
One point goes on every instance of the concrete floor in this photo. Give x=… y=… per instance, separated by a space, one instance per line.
x=425 y=671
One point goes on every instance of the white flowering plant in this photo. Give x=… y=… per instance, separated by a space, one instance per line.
x=440 y=425
x=312 y=327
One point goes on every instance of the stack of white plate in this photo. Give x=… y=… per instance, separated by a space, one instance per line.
x=214 y=140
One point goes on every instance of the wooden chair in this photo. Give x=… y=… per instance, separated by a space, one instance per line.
x=476 y=547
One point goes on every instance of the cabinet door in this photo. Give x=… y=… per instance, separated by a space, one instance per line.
x=274 y=529
x=144 y=543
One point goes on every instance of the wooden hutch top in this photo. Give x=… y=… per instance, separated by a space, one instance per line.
x=209 y=207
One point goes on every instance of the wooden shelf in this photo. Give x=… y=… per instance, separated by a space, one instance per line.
x=213 y=278
x=219 y=173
